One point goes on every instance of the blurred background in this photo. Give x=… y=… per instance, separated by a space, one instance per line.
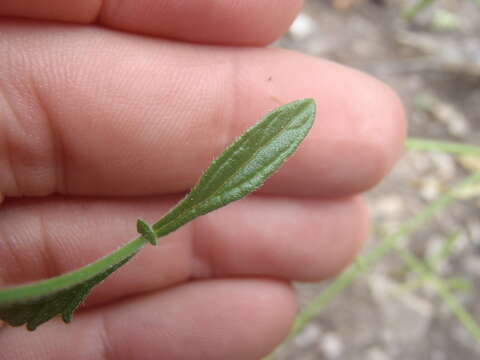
x=415 y=291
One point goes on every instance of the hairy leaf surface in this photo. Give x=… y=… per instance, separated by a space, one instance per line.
x=245 y=165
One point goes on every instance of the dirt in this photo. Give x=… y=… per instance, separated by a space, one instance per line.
x=433 y=62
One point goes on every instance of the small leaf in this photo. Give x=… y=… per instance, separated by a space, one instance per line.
x=146 y=231
x=241 y=168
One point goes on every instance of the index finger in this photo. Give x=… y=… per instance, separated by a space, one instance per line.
x=79 y=121
x=239 y=22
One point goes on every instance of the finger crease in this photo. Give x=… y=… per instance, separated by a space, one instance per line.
x=8 y=152
x=12 y=254
x=50 y=262
x=111 y=10
x=106 y=348
x=58 y=166
x=201 y=255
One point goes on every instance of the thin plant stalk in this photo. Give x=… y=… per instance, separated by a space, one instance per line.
x=443 y=291
x=441 y=146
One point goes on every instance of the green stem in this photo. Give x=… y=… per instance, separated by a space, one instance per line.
x=441 y=146
x=62 y=282
x=444 y=253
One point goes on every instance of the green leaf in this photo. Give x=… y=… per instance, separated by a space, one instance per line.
x=245 y=165
x=146 y=231
x=242 y=168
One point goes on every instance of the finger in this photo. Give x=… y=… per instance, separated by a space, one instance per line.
x=58 y=10
x=241 y=22
x=201 y=320
x=294 y=239
x=92 y=112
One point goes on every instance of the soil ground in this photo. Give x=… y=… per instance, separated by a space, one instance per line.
x=433 y=62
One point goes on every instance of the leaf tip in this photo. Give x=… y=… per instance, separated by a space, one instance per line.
x=309 y=103
x=307 y=107
x=67 y=317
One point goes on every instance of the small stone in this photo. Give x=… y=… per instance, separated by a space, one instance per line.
x=472 y=265
x=451 y=117
x=445 y=164
x=332 y=345
x=439 y=355
x=376 y=354
x=456 y=123
x=389 y=205
x=430 y=188
x=404 y=312
x=419 y=161
x=302 y=26
x=308 y=336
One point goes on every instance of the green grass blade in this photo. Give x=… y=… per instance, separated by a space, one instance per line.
x=455 y=307
x=441 y=146
x=445 y=252
x=434 y=261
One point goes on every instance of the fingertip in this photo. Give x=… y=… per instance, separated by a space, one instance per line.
x=343 y=245
x=359 y=130
x=211 y=316
x=238 y=22
x=234 y=22
x=388 y=126
x=371 y=122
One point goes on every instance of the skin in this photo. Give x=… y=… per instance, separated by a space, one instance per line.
x=110 y=110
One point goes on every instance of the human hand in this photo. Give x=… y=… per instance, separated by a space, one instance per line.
x=118 y=125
